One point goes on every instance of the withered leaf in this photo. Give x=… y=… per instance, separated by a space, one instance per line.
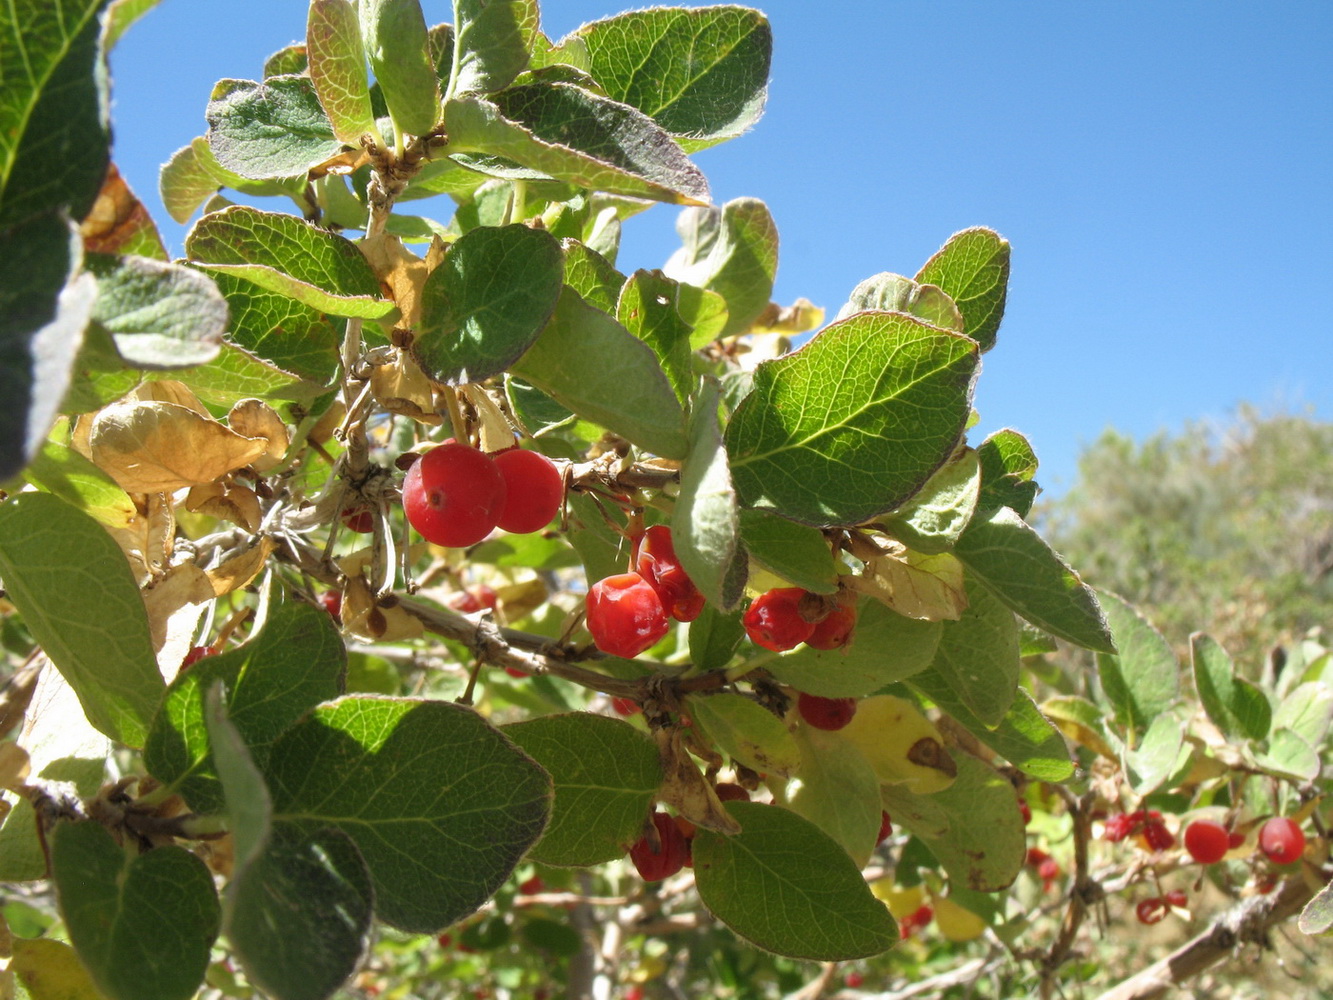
x=254 y=418
x=926 y=587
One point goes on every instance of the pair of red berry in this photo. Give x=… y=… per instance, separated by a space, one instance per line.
x=785 y=617
x=455 y=495
x=1048 y=869
x=1146 y=823
x=917 y=920
x=629 y=612
x=1155 y=908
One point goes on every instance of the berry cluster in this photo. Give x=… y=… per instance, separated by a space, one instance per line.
x=785 y=617
x=455 y=495
x=629 y=612
x=1145 y=824
x=1153 y=909
x=917 y=920
x=1047 y=868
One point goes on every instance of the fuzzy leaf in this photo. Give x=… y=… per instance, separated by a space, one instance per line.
x=855 y=422
x=491 y=44
x=606 y=773
x=836 y=789
x=279 y=331
x=487 y=302
x=125 y=911
x=934 y=519
x=269 y=130
x=337 y=64
x=160 y=315
x=732 y=251
x=397 y=44
x=1029 y=576
x=747 y=732
x=978 y=656
x=973 y=269
x=78 y=598
x=795 y=552
x=1237 y=707
x=440 y=804
x=284 y=254
x=1008 y=464
x=705 y=525
x=591 y=364
x=886 y=292
x=1143 y=680
x=572 y=135
x=701 y=73
x=786 y=886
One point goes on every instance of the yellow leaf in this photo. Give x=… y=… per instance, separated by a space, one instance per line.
x=901 y=744
x=50 y=970
x=929 y=588
x=163 y=447
x=238 y=570
x=401 y=272
x=402 y=387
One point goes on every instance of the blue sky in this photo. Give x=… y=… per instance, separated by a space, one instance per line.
x=1162 y=170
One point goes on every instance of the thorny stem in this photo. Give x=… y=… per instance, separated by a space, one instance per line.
x=1082 y=893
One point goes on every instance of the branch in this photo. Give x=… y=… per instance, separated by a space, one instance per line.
x=1248 y=922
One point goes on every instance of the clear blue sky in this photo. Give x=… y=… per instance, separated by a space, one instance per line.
x=1164 y=172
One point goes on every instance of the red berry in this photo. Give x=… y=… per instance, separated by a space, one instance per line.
x=626 y=706
x=1177 y=898
x=727 y=792
x=835 y=631
x=532 y=886
x=656 y=562
x=332 y=602
x=1159 y=838
x=625 y=615
x=687 y=830
x=474 y=599
x=1118 y=827
x=515 y=672
x=1150 y=911
x=853 y=980
x=773 y=620
x=655 y=864
x=534 y=489
x=1236 y=839
x=1048 y=870
x=196 y=654
x=826 y=713
x=885 y=828
x=1282 y=840
x=1025 y=811
x=362 y=521
x=1207 y=841
x=919 y=917
x=1036 y=856
x=453 y=495
x=634 y=993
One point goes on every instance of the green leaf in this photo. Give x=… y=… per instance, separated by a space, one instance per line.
x=714 y=638
x=591 y=364
x=296 y=660
x=160 y=315
x=44 y=309
x=1238 y=708
x=854 y=423
x=492 y=44
x=337 y=65
x=604 y=551
x=1008 y=464
x=705 y=526
x=61 y=747
x=185 y=182
x=786 y=886
x=284 y=254
x=1307 y=710
x=732 y=251
x=270 y=130
x=973 y=827
x=1290 y=755
x=78 y=598
x=486 y=303
x=973 y=269
x=1161 y=754
x=234 y=375
x=1143 y=681
x=796 y=552
x=886 y=647
x=1082 y=722
x=605 y=772
x=572 y=135
x=836 y=789
x=646 y=309
x=702 y=74
x=1317 y=917
x=397 y=44
x=1029 y=576
x=248 y=806
x=125 y=912
x=50 y=970
x=978 y=655
x=61 y=470
x=746 y=731
x=439 y=803
x=934 y=519
x=278 y=331
x=592 y=276
x=54 y=128
x=1024 y=737
x=120 y=16
x=886 y=292
x=300 y=914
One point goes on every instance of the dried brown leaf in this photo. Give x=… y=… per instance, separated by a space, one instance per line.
x=237 y=570
x=685 y=789
x=402 y=274
x=927 y=587
x=162 y=447
x=253 y=418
